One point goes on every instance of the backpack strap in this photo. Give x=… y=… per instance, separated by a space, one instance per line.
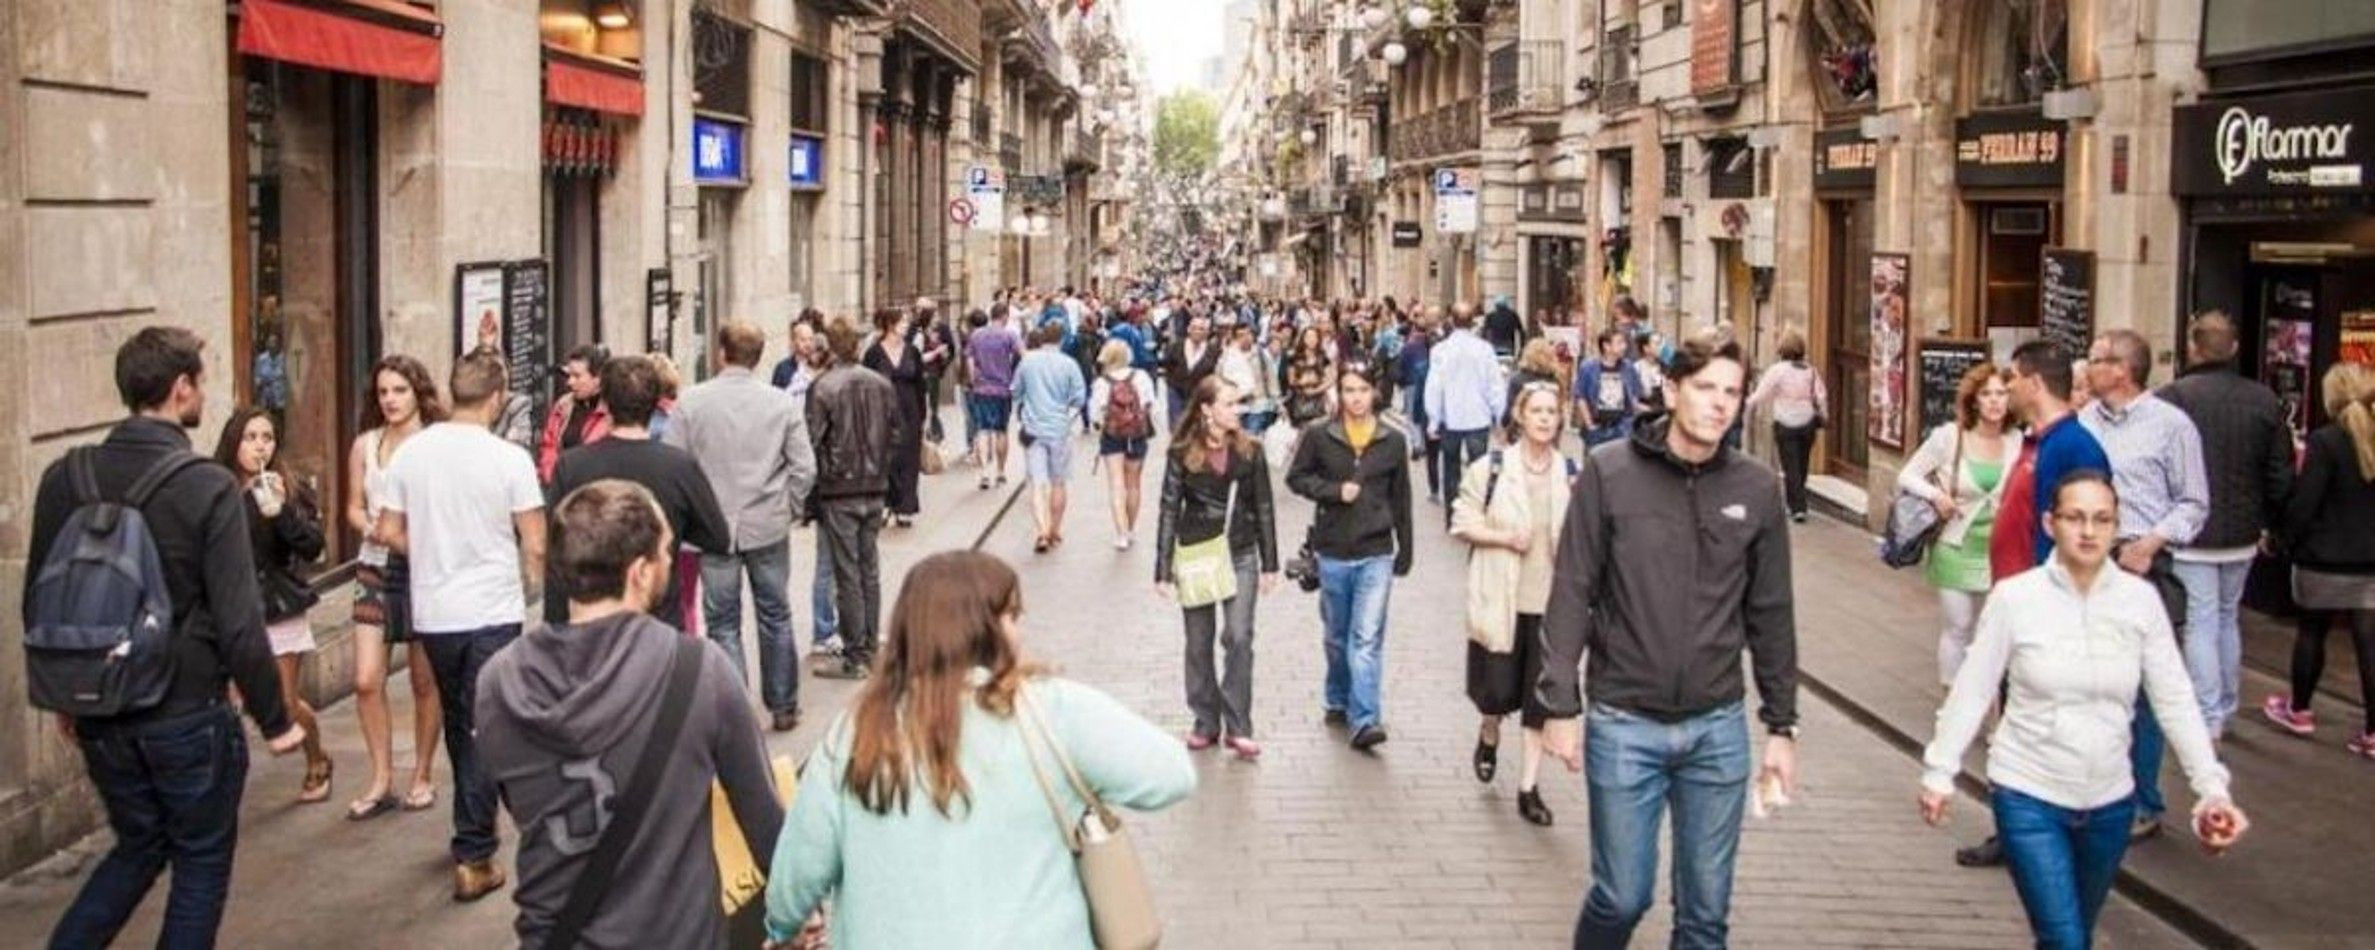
x=157 y=475
x=80 y=473
x=1492 y=478
x=593 y=881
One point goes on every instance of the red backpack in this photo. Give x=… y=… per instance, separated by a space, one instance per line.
x=1125 y=411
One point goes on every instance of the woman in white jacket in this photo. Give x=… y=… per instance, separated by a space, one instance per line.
x=1512 y=504
x=1972 y=454
x=2070 y=643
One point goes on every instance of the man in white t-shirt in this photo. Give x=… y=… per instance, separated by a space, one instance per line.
x=465 y=507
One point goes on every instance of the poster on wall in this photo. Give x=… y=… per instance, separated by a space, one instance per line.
x=527 y=336
x=2358 y=337
x=2284 y=366
x=1941 y=364
x=1885 y=423
x=478 y=306
x=659 y=326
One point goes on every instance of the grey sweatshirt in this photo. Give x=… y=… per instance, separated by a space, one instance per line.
x=563 y=715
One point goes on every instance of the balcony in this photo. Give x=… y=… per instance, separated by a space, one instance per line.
x=953 y=27
x=1340 y=171
x=1010 y=152
x=1032 y=43
x=1620 y=81
x=1081 y=150
x=1528 y=77
x=1447 y=130
x=1286 y=114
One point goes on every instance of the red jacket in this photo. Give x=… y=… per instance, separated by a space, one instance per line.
x=548 y=448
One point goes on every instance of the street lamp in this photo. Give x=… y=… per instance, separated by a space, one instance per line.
x=1420 y=17
x=1020 y=224
x=1374 y=16
x=1310 y=137
x=1396 y=53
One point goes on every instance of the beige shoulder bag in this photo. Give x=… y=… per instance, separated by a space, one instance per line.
x=1121 y=905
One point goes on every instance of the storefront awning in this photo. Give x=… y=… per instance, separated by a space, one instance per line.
x=573 y=79
x=384 y=38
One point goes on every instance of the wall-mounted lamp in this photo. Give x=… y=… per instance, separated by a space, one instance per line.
x=1420 y=17
x=1395 y=53
x=1310 y=137
x=613 y=15
x=1374 y=16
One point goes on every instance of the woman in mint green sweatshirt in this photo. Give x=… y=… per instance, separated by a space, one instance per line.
x=919 y=815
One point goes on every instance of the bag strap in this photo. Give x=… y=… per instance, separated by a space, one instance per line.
x=593 y=882
x=157 y=475
x=1027 y=713
x=1492 y=478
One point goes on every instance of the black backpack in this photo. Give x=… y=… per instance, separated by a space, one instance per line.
x=99 y=619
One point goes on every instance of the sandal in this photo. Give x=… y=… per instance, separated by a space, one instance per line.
x=317 y=782
x=422 y=798
x=365 y=809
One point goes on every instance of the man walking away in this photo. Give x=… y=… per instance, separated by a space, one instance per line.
x=2164 y=498
x=2247 y=453
x=851 y=411
x=1504 y=329
x=1052 y=394
x=569 y=711
x=631 y=389
x=1667 y=720
x=1465 y=398
x=992 y=352
x=169 y=773
x=465 y=506
x=751 y=443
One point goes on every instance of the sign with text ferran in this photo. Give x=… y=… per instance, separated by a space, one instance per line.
x=1891 y=298
x=2015 y=150
x=2308 y=143
x=1715 y=39
x=1843 y=158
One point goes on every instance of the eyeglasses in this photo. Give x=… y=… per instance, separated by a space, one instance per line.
x=1539 y=385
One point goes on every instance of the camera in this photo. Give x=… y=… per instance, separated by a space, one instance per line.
x=1303 y=569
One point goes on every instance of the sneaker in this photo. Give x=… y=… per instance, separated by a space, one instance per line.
x=1198 y=742
x=847 y=669
x=1368 y=737
x=1334 y=719
x=2279 y=710
x=2363 y=745
x=785 y=720
x=2145 y=825
x=830 y=646
x=1986 y=854
x=476 y=879
x=1246 y=749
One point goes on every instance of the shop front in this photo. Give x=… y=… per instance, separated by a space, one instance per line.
x=2008 y=167
x=1554 y=230
x=593 y=97
x=2279 y=210
x=1845 y=172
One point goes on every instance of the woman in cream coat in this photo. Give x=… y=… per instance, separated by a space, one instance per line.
x=1978 y=448
x=1512 y=503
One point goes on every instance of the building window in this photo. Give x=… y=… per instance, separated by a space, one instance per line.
x=721 y=65
x=2020 y=50
x=812 y=87
x=1731 y=168
x=1673 y=165
x=1846 y=63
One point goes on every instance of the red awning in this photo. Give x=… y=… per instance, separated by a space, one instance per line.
x=571 y=80
x=384 y=38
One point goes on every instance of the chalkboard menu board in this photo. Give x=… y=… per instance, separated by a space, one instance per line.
x=527 y=329
x=1941 y=364
x=2066 y=300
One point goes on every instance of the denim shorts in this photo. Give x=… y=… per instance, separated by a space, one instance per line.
x=1134 y=449
x=989 y=412
x=1048 y=461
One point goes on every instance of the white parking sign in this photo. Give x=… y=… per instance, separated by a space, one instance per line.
x=1455 y=201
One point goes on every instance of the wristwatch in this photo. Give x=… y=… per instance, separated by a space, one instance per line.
x=1789 y=732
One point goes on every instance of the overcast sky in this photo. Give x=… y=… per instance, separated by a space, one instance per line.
x=1174 y=38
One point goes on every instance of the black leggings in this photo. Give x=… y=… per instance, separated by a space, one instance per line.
x=2309 y=656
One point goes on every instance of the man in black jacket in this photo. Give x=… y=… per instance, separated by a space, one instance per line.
x=170 y=775
x=1188 y=360
x=1675 y=558
x=2248 y=454
x=851 y=410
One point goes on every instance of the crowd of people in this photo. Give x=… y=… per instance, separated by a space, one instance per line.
x=1618 y=586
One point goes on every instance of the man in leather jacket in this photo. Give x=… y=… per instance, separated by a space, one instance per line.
x=851 y=411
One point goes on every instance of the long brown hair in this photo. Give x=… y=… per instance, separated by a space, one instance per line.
x=226 y=451
x=910 y=715
x=1187 y=441
x=424 y=391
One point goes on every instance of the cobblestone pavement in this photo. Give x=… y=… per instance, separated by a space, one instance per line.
x=1314 y=846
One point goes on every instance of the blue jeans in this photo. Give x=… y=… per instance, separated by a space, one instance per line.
x=2144 y=755
x=2063 y=861
x=1637 y=768
x=1611 y=432
x=1460 y=448
x=770 y=569
x=2213 y=636
x=1352 y=608
x=820 y=593
x=171 y=788
x=455 y=659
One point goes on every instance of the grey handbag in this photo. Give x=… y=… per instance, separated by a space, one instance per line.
x=1121 y=905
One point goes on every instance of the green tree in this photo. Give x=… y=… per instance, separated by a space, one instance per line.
x=1187 y=134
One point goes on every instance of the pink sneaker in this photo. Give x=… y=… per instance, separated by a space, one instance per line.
x=2279 y=710
x=1245 y=748
x=2363 y=745
x=1198 y=742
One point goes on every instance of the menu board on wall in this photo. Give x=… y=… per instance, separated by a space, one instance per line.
x=1940 y=366
x=2066 y=300
x=1885 y=423
x=528 y=337
x=660 y=315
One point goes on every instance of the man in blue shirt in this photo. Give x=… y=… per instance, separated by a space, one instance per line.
x=1607 y=392
x=1048 y=386
x=1465 y=398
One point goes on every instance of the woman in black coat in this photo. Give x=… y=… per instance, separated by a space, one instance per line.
x=284 y=535
x=897 y=359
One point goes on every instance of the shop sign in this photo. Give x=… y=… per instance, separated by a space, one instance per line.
x=2274 y=145
x=579 y=147
x=1843 y=158
x=808 y=162
x=1455 y=200
x=1715 y=32
x=1551 y=201
x=717 y=152
x=2015 y=150
x=1406 y=234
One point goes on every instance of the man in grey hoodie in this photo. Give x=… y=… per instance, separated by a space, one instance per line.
x=565 y=713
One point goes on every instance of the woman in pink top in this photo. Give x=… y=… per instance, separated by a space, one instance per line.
x=1795 y=391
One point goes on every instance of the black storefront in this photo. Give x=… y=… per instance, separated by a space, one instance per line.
x=2279 y=212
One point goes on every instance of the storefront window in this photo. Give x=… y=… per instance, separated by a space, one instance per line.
x=2021 y=50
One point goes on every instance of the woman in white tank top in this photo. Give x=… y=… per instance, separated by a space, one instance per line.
x=403 y=400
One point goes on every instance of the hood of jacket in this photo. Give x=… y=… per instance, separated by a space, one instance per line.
x=580 y=689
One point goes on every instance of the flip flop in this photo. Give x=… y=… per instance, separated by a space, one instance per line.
x=317 y=783
x=422 y=800
x=372 y=808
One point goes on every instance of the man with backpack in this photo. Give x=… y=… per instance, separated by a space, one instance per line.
x=136 y=667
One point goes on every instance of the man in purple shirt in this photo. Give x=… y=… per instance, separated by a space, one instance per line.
x=993 y=352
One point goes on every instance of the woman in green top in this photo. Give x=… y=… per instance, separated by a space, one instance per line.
x=1960 y=469
x=920 y=815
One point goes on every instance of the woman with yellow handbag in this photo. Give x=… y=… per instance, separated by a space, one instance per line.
x=1512 y=503
x=1216 y=544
